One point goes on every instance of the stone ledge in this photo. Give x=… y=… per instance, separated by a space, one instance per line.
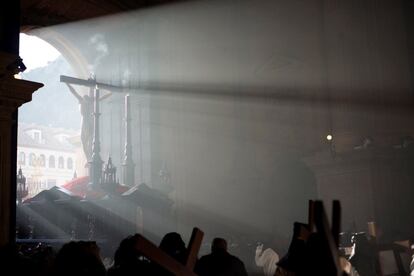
x=13 y=92
x=17 y=91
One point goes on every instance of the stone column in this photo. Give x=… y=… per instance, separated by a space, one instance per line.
x=13 y=93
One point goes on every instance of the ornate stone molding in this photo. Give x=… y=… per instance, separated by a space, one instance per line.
x=13 y=92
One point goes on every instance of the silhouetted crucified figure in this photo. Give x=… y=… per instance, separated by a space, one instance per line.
x=86 y=103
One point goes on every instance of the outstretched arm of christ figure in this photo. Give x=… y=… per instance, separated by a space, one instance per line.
x=72 y=90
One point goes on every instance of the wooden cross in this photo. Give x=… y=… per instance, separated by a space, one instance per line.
x=330 y=235
x=155 y=254
x=311 y=215
x=91 y=82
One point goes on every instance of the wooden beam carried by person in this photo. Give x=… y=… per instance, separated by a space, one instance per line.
x=330 y=236
x=156 y=255
x=193 y=248
x=311 y=215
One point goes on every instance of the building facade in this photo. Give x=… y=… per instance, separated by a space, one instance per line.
x=47 y=156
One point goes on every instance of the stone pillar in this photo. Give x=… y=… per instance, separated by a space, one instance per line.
x=13 y=93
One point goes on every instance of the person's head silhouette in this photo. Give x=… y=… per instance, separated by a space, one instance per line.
x=219 y=245
x=173 y=245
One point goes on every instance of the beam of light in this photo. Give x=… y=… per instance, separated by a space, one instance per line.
x=52 y=229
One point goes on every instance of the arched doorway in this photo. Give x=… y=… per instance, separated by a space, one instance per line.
x=49 y=124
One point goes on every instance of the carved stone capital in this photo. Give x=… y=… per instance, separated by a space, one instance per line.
x=13 y=92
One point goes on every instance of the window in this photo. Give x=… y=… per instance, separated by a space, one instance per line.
x=61 y=162
x=22 y=158
x=51 y=161
x=69 y=164
x=42 y=160
x=36 y=136
x=45 y=155
x=32 y=159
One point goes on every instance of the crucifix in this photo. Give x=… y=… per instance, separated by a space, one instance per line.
x=155 y=254
x=90 y=127
x=90 y=121
x=86 y=103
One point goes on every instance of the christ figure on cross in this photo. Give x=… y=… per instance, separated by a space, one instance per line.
x=86 y=103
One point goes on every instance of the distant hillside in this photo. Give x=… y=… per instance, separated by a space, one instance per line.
x=53 y=104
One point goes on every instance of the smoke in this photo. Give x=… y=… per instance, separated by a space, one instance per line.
x=98 y=42
x=126 y=75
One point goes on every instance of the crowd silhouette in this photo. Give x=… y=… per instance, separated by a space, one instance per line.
x=311 y=252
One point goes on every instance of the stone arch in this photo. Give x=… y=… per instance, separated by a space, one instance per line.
x=70 y=52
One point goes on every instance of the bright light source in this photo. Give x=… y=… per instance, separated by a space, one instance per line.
x=36 y=52
x=329 y=137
